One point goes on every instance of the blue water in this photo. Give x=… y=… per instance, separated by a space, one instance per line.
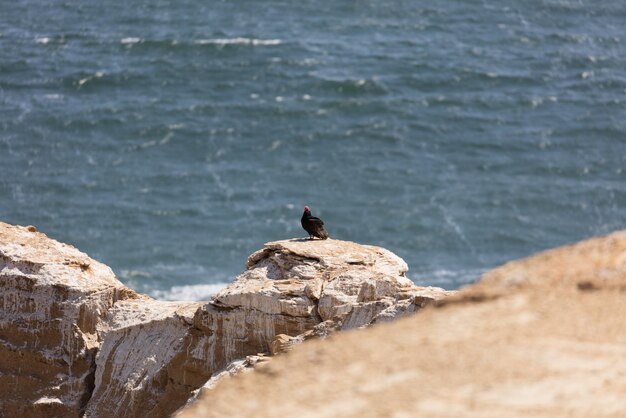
x=170 y=139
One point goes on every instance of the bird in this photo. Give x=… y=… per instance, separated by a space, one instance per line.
x=314 y=226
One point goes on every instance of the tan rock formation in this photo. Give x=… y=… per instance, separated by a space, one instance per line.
x=52 y=299
x=142 y=367
x=597 y=262
x=330 y=280
x=539 y=337
x=235 y=368
x=74 y=340
x=280 y=294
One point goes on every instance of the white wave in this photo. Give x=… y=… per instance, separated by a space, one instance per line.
x=189 y=292
x=238 y=41
x=536 y=102
x=42 y=40
x=98 y=74
x=447 y=278
x=130 y=41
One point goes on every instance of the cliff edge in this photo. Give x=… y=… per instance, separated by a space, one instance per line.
x=74 y=341
x=540 y=337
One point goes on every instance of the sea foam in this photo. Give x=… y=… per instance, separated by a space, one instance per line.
x=189 y=292
x=238 y=41
x=130 y=41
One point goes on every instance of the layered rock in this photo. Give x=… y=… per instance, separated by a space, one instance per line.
x=142 y=367
x=350 y=284
x=539 y=337
x=52 y=299
x=74 y=340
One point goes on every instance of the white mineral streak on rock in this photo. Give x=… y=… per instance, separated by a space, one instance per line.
x=74 y=340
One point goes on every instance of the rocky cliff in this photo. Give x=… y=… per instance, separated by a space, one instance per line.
x=74 y=341
x=52 y=299
x=539 y=337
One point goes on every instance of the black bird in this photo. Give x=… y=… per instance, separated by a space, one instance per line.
x=314 y=226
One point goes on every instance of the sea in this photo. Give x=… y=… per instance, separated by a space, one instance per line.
x=169 y=139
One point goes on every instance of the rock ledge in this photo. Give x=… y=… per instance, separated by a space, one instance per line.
x=75 y=341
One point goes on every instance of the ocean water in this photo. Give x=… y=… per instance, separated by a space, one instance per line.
x=170 y=139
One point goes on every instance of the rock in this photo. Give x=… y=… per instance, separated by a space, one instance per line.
x=142 y=367
x=597 y=262
x=236 y=367
x=283 y=343
x=52 y=300
x=326 y=280
x=74 y=341
x=282 y=290
x=543 y=337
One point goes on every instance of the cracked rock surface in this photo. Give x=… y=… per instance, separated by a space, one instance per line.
x=74 y=341
x=330 y=280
